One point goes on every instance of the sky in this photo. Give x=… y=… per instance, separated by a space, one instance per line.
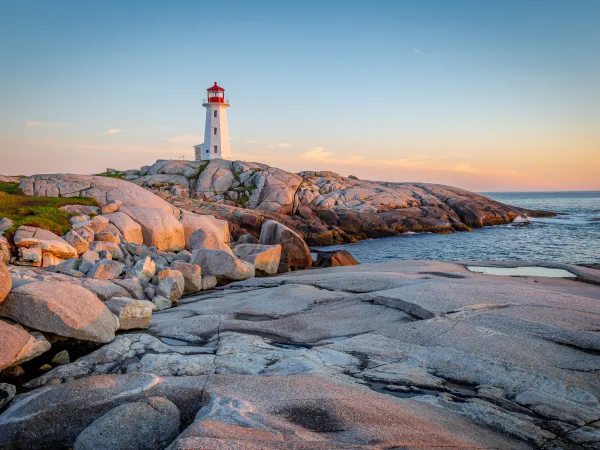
x=488 y=96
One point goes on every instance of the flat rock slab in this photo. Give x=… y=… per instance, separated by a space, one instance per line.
x=400 y=354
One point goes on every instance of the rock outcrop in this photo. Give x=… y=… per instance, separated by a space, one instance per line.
x=18 y=345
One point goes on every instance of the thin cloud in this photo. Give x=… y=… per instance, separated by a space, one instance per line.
x=316 y=154
x=281 y=145
x=252 y=141
x=419 y=52
x=37 y=124
x=185 y=139
x=113 y=131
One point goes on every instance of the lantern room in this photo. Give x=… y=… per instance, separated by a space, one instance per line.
x=216 y=94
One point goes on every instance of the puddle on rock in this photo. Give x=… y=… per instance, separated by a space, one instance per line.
x=531 y=271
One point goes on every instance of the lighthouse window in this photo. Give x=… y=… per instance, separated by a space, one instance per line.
x=215 y=130
x=215 y=113
x=215 y=149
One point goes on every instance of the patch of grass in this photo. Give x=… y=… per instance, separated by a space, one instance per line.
x=42 y=212
x=120 y=176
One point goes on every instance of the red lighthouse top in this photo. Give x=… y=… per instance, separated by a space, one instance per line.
x=216 y=94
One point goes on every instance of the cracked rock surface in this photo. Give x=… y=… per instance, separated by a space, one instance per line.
x=403 y=354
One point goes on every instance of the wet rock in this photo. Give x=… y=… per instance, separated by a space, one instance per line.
x=19 y=345
x=192 y=275
x=149 y=424
x=131 y=313
x=294 y=251
x=264 y=258
x=106 y=270
x=60 y=308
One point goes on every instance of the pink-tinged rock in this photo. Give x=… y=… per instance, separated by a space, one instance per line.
x=106 y=269
x=103 y=189
x=61 y=308
x=4 y=250
x=48 y=242
x=18 y=345
x=194 y=222
x=77 y=241
x=5 y=281
x=159 y=228
x=171 y=284
x=265 y=258
x=294 y=251
x=129 y=228
x=111 y=207
x=192 y=275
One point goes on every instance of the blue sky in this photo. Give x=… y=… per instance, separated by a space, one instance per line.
x=484 y=95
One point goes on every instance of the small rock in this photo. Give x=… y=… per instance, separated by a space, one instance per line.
x=265 y=258
x=161 y=303
x=183 y=255
x=31 y=256
x=7 y=393
x=131 y=313
x=111 y=207
x=247 y=239
x=5 y=281
x=79 y=219
x=145 y=269
x=106 y=270
x=110 y=247
x=98 y=224
x=13 y=372
x=192 y=275
x=150 y=291
x=209 y=282
x=335 y=258
x=171 y=284
x=103 y=254
x=61 y=358
x=46 y=367
x=107 y=236
x=88 y=259
x=79 y=242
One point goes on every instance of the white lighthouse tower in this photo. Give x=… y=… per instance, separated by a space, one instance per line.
x=216 y=133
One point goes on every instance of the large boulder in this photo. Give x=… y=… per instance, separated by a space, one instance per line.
x=61 y=308
x=150 y=424
x=54 y=249
x=18 y=345
x=5 y=281
x=102 y=189
x=194 y=222
x=294 y=251
x=160 y=229
x=264 y=258
x=129 y=228
x=223 y=265
x=206 y=238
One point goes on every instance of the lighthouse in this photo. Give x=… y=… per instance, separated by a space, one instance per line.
x=216 y=133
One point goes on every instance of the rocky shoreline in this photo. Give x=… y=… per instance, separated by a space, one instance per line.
x=323 y=207
x=406 y=353
x=166 y=318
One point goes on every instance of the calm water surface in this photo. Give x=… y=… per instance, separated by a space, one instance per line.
x=570 y=238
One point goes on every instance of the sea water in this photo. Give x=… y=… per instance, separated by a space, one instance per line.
x=571 y=237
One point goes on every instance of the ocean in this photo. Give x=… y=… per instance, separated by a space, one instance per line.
x=572 y=237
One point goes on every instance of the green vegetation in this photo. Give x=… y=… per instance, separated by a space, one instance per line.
x=120 y=176
x=42 y=212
